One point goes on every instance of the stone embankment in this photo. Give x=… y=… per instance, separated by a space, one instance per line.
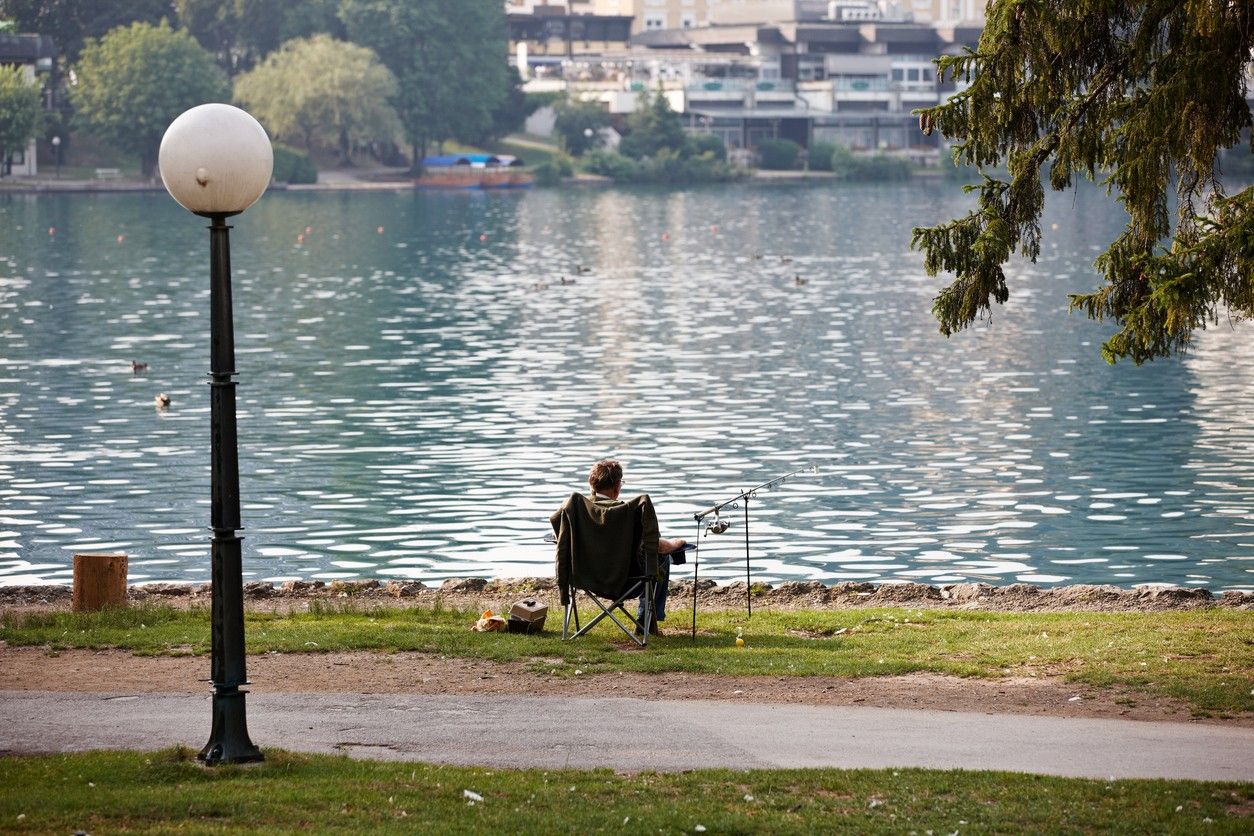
x=477 y=592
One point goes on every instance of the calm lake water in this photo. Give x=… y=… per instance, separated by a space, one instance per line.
x=419 y=390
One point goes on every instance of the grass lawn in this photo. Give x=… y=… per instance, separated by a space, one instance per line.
x=163 y=791
x=1203 y=657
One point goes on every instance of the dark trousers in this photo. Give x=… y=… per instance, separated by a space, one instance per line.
x=661 y=590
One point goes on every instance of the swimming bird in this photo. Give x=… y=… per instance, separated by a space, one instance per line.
x=783 y=259
x=798 y=280
x=138 y=367
x=161 y=401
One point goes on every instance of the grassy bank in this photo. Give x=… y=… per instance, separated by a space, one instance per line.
x=1202 y=657
x=159 y=792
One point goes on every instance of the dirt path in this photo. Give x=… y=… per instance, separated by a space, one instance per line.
x=116 y=671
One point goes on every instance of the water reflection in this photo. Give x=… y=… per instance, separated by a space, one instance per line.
x=424 y=377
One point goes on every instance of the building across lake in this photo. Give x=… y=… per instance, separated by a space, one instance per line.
x=847 y=72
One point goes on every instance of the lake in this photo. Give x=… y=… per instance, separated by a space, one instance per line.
x=424 y=377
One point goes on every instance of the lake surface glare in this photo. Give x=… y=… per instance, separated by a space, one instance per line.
x=425 y=377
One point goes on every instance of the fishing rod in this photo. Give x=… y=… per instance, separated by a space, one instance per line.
x=718 y=525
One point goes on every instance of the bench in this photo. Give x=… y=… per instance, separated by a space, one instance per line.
x=108 y=173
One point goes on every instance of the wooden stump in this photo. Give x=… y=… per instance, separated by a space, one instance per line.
x=99 y=581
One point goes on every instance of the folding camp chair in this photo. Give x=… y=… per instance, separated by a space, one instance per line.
x=604 y=553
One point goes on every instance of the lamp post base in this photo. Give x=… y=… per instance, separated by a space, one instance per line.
x=228 y=739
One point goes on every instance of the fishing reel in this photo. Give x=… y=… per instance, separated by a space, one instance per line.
x=718 y=525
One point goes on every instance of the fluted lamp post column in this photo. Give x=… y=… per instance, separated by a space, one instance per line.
x=216 y=160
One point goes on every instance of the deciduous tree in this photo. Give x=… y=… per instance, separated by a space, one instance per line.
x=322 y=93
x=20 y=113
x=132 y=83
x=449 y=60
x=242 y=32
x=1141 y=95
x=70 y=22
x=574 y=118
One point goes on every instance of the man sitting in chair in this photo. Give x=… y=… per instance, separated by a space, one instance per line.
x=606 y=481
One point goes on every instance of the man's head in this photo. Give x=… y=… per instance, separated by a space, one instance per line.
x=606 y=478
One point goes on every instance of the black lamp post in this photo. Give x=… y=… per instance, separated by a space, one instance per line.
x=216 y=160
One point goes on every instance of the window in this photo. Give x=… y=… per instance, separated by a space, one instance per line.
x=899 y=74
x=654 y=21
x=912 y=74
x=687 y=20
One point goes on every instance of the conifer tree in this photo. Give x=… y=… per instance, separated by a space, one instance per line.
x=1139 y=94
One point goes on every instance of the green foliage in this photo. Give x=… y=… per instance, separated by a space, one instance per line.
x=292 y=166
x=820 y=155
x=699 y=144
x=778 y=154
x=1141 y=94
x=666 y=166
x=134 y=81
x=70 y=23
x=513 y=110
x=169 y=791
x=449 y=60
x=20 y=112
x=651 y=127
x=574 y=118
x=552 y=171
x=867 y=167
x=241 y=32
x=612 y=165
x=323 y=93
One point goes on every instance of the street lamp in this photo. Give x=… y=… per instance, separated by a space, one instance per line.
x=56 y=154
x=216 y=160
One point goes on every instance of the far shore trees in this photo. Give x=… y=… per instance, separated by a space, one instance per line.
x=1141 y=94
x=20 y=113
x=579 y=124
x=240 y=33
x=133 y=82
x=70 y=23
x=448 y=61
x=322 y=93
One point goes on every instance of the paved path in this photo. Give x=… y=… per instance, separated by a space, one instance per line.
x=631 y=734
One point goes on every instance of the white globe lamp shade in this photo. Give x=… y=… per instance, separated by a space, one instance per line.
x=215 y=159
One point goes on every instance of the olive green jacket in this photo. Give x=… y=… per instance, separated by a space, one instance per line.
x=602 y=544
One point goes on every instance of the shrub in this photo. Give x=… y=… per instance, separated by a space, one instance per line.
x=699 y=144
x=821 y=155
x=883 y=167
x=610 y=164
x=551 y=171
x=847 y=166
x=778 y=154
x=292 y=166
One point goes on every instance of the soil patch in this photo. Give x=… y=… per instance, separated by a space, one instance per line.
x=116 y=671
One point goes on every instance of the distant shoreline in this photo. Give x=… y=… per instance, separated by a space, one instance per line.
x=41 y=186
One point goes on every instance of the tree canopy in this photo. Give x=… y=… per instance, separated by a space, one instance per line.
x=241 y=32
x=71 y=22
x=1141 y=94
x=20 y=112
x=448 y=59
x=322 y=93
x=133 y=82
x=651 y=127
x=578 y=124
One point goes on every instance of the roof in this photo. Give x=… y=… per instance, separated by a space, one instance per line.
x=25 y=49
